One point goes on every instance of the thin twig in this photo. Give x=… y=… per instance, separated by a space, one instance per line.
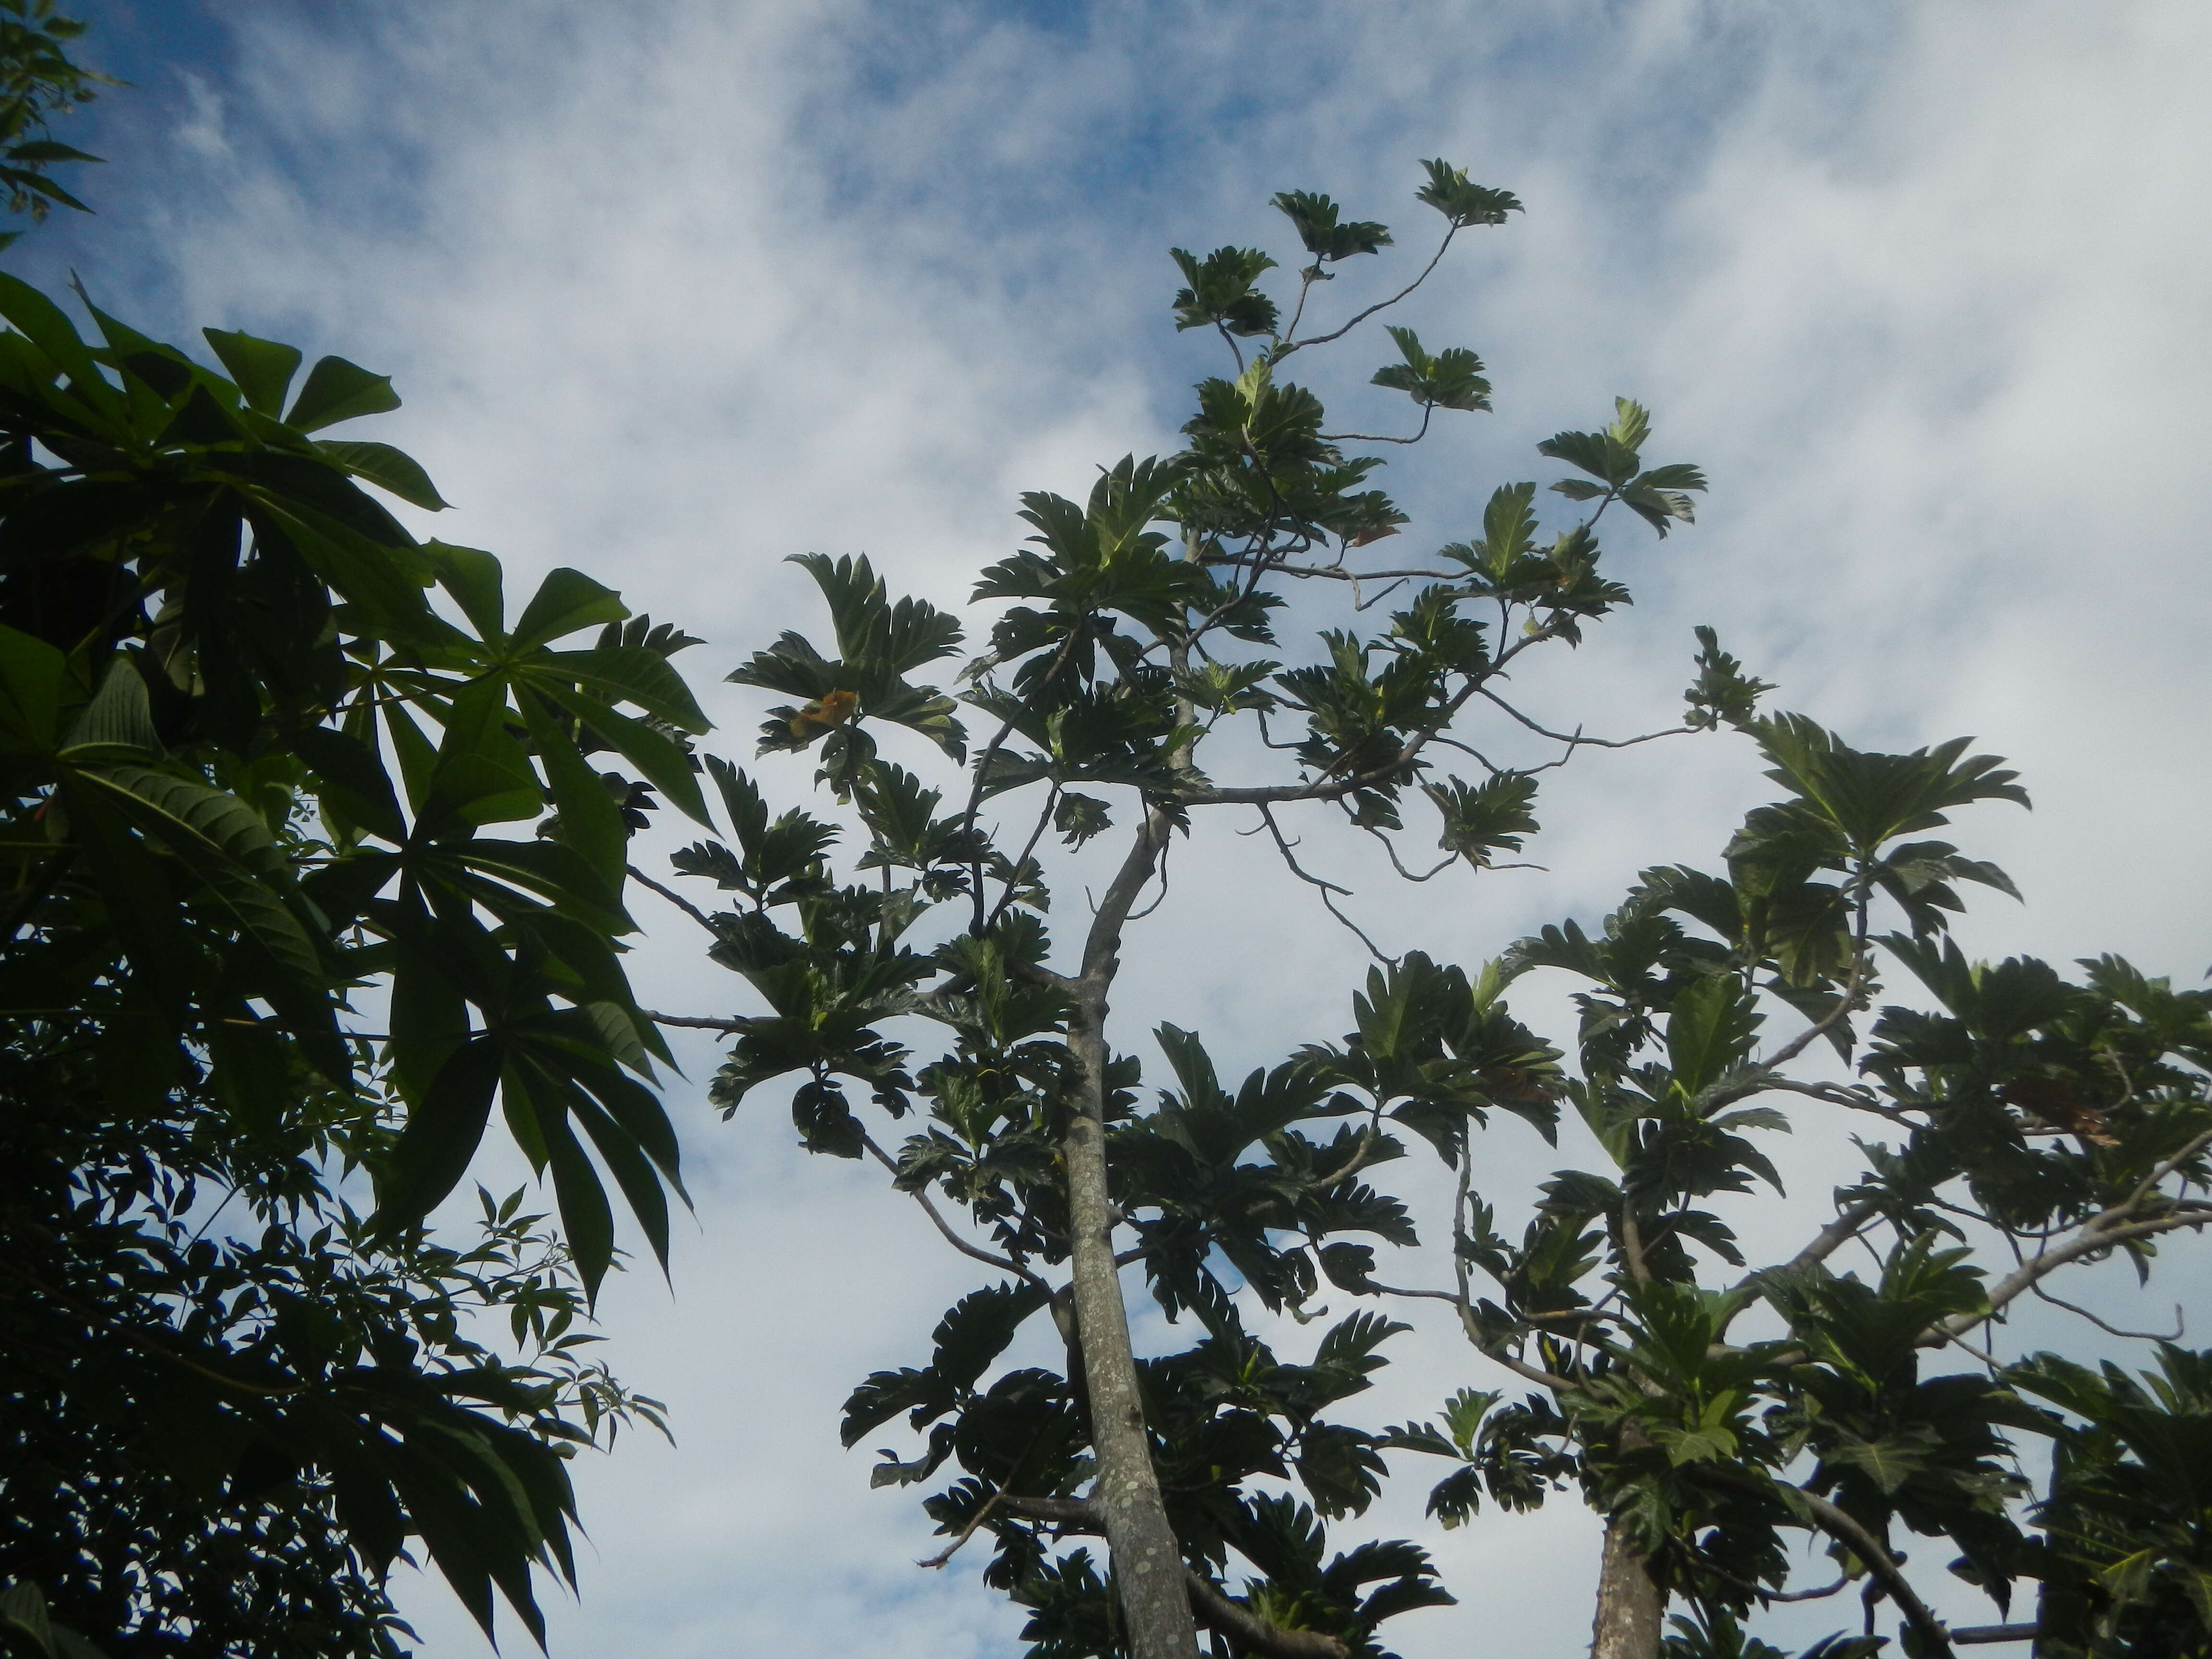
x=1428 y=411
x=1286 y=347
x=967 y=1532
x=1005 y=1264
x=1845 y=1528
x=678 y=900
x=1576 y=739
x=2093 y=1239
x=1166 y=848
x=1284 y=845
x=2181 y=1324
x=1014 y=876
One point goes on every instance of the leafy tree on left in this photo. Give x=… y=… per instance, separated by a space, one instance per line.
x=303 y=869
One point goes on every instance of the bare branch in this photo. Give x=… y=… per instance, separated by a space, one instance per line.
x=1753 y=1287
x=1842 y=1526
x=1070 y=1514
x=1284 y=348
x=698 y=1023
x=1469 y=1324
x=1392 y=850
x=1327 y=889
x=1427 y=411
x=990 y=753
x=676 y=899
x=2097 y=1235
x=1333 y=571
x=1381 y=1289
x=1005 y=1264
x=981 y=1514
x=1239 y=1623
x=2195 y=1146
x=1632 y=1243
x=1014 y=879
x=1040 y=976
x=1139 y=915
x=1576 y=739
x=2180 y=1322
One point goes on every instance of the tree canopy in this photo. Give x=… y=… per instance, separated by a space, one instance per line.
x=315 y=857
x=1132 y=673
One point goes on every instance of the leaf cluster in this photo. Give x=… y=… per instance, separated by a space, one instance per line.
x=253 y=785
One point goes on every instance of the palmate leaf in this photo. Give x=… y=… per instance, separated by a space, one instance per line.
x=34 y=678
x=482 y=774
x=1451 y=378
x=1449 y=193
x=181 y=919
x=45 y=326
x=565 y=601
x=1220 y=292
x=590 y=819
x=587 y=1219
x=118 y=724
x=634 y=674
x=1315 y=218
x=665 y=763
x=1480 y=819
x=1874 y=798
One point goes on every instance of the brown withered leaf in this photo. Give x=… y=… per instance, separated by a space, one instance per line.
x=2054 y=1103
x=1514 y=1085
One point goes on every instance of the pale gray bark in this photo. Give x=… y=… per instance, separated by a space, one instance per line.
x=1629 y=1603
x=1147 y=1560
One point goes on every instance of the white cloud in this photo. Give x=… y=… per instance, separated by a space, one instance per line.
x=675 y=290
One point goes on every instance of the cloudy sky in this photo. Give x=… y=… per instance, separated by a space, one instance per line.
x=678 y=288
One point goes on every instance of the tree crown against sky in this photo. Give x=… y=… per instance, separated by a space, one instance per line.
x=1125 y=657
x=1969 y=467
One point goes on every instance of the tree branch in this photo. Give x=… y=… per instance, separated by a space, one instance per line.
x=1005 y=1264
x=1239 y=1623
x=695 y=1021
x=1285 y=347
x=2181 y=1324
x=1829 y=1239
x=1576 y=739
x=1843 y=1527
x=1327 y=889
x=2095 y=1238
x=676 y=899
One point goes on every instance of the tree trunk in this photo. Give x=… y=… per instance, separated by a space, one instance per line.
x=1628 y=1601
x=1147 y=1560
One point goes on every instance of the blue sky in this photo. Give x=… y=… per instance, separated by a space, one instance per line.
x=677 y=289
